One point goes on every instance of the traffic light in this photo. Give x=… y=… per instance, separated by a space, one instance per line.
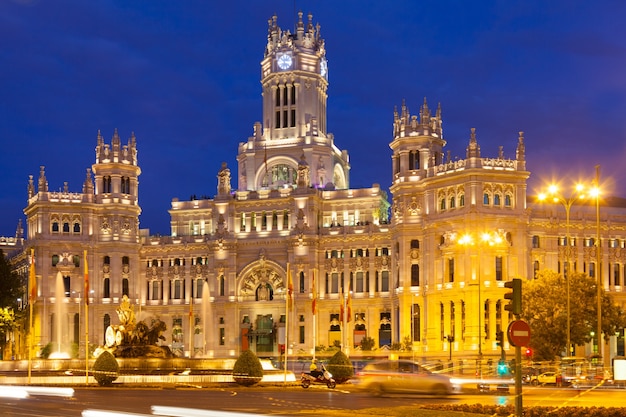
x=529 y=353
x=503 y=369
x=500 y=339
x=515 y=296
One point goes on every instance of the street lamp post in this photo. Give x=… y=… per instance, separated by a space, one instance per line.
x=567 y=202
x=596 y=193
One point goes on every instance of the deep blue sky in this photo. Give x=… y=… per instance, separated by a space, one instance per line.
x=184 y=76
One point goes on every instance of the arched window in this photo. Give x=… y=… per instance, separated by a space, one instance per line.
x=535 y=242
x=66 y=227
x=76 y=227
x=462 y=200
x=106 y=184
x=486 y=200
x=106 y=321
x=496 y=200
x=507 y=200
x=55 y=226
x=452 y=202
x=442 y=204
x=535 y=269
x=106 y=291
x=221 y=285
x=125 y=290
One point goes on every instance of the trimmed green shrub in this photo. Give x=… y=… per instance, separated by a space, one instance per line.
x=341 y=367
x=105 y=369
x=247 y=370
x=367 y=343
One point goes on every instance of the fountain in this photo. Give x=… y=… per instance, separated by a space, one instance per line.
x=131 y=339
x=60 y=313
x=206 y=317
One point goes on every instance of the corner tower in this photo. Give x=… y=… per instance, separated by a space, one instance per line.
x=116 y=174
x=294 y=78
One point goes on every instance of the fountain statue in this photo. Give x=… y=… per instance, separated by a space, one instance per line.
x=131 y=339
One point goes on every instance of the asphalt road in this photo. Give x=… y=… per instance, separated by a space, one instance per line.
x=278 y=401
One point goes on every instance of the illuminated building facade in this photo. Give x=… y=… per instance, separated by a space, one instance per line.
x=427 y=267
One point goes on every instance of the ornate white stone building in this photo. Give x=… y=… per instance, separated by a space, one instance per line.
x=429 y=264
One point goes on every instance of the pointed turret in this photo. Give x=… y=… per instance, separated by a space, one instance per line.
x=520 y=153
x=223 y=181
x=31 y=187
x=473 y=150
x=43 y=182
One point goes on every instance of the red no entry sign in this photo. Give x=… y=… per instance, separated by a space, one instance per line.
x=519 y=333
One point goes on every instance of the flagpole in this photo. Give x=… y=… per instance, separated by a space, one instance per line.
x=86 y=340
x=287 y=299
x=32 y=282
x=30 y=342
x=86 y=295
x=191 y=325
x=344 y=324
x=314 y=308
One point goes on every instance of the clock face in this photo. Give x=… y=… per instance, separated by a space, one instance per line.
x=284 y=62
x=323 y=68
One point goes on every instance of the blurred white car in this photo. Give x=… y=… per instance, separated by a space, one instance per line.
x=544 y=379
x=401 y=376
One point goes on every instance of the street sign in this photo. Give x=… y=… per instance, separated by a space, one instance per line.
x=519 y=333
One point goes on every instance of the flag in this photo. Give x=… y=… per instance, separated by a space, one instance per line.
x=86 y=278
x=32 y=278
x=349 y=305
x=289 y=287
x=314 y=292
x=341 y=307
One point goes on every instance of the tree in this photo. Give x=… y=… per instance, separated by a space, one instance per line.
x=11 y=286
x=247 y=370
x=544 y=307
x=340 y=367
x=105 y=369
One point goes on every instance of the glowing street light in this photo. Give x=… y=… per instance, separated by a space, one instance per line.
x=595 y=193
x=553 y=195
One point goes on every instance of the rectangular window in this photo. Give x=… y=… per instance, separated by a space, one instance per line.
x=301 y=335
x=222 y=336
x=498 y=268
x=293 y=118
x=359 y=282
x=334 y=278
x=592 y=270
x=384 y=281
x=450 y=270
x=285 y=118
x=415 y=275
x=277 y=118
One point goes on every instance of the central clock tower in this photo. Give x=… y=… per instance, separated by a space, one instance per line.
x=294 y=78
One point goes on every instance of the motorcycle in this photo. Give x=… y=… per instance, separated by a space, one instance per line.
x=306 y=379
